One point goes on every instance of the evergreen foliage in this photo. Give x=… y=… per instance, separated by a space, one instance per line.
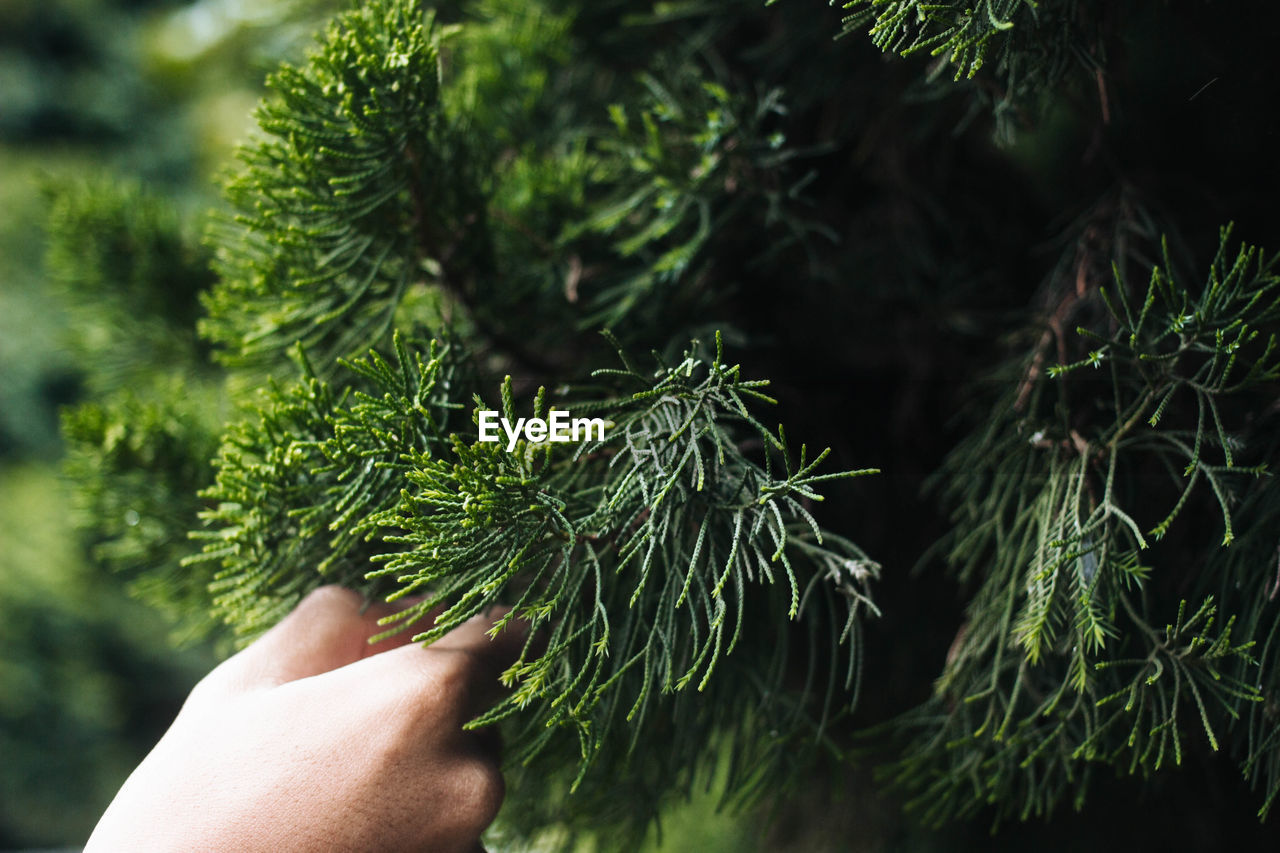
x=130 y=275
x=1063 y=660
x=139 y=463
x=88 y=682
x=1029 y=46
x=444 y=206
x=638 y=556
x=141 y=446
x=702 y=160
x=301 y=483
x=353 y=184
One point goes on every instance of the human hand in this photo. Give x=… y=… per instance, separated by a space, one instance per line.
x=313 y=739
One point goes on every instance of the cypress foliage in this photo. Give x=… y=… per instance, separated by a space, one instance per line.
x=1066 y=658
x=1030 y=48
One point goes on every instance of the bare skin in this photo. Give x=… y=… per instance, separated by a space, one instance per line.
x=313 y=739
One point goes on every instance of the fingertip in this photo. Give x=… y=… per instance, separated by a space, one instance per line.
x=461 y=670
x=331 y=627
x=490 y=636
x=330 y=597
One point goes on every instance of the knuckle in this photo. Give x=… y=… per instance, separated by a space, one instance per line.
x=453 y=673
x=440 y=688
x=331 y=597
x=207 y=690
x=218 y=685
x=480 y=789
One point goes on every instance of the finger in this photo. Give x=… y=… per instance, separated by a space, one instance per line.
x=492 y=648
x=480 y=636
x=330 y=628
x=457 y=674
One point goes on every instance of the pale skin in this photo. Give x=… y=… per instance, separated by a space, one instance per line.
x=314 y=739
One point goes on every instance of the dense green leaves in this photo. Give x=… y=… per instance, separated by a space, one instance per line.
x=1058 y=503
x=140 y=448
x=300 y=480
x=139 y=462
x=356 y=191
x=1027 y=47
x=694 y=165
x=132 y=277
x=663 y=519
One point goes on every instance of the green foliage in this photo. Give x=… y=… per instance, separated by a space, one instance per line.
x=87 y=682
x=507 y=58
x=357 y=187
x=695 y=164
x=88 y=679
x=301 y=482
x=1246 y=573
x=1057 y=500
x=140 y=446
x=668 y=500
x=138 y=463
x=130 y=274
x=1028 y=47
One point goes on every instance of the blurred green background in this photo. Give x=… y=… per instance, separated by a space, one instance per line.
x=159 y=92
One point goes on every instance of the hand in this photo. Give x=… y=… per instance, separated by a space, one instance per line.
x=313 y=739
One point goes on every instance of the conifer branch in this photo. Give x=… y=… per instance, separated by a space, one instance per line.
x=645 y=560
x=1058 y=665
